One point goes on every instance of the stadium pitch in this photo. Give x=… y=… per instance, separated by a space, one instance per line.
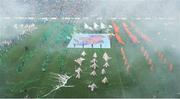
x=41 y=64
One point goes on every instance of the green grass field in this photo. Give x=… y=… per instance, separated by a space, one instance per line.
x=21 y=71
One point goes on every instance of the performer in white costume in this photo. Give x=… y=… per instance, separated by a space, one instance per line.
x=93 y=60
x=106 y=65
x=94 y=66
x=83 y=53
x=95 y=55
x=93 y=73
x=103 y=71
x=92 y=86
x=79 y=60
x=106 y=57
x=78 y=70
x=104 y=81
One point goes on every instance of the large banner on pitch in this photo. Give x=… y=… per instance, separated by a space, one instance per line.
x=90 y=41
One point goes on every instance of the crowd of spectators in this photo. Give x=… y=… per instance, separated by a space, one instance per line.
x=87 y=8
